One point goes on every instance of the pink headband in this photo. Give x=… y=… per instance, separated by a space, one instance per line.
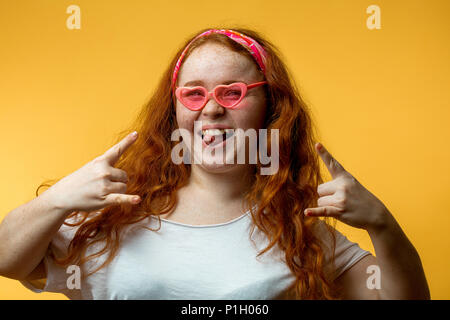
x=256 y=50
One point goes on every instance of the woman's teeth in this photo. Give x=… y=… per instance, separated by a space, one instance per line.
x=217 y=132
x=209 y=135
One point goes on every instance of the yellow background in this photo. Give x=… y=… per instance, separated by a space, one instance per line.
x=380 y=97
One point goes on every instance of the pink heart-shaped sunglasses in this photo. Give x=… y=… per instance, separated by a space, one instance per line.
x=228 y=96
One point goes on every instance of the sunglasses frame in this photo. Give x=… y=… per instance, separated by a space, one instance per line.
x=212 y=93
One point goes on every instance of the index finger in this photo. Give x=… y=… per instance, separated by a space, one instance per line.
x=333 y=166
x=114 y=153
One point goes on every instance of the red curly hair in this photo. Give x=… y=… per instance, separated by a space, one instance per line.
x=281 y=198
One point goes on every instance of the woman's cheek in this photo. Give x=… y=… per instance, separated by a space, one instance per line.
x=248 y=115
x=244 y=104
x=185 y=119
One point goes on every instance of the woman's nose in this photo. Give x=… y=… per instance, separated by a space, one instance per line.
x=213 y=109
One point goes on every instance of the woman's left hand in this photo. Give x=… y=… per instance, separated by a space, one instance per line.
x=345 y=199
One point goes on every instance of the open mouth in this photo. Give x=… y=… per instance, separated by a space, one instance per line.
x=213 y=137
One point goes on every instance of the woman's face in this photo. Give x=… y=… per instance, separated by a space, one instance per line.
x=208 y=66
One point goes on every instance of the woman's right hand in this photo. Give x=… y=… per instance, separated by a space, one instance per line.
x=95 y=185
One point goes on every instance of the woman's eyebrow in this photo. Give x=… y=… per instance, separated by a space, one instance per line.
x=201 y=83
x=193 y=83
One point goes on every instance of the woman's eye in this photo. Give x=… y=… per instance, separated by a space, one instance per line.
x=194 y=93
x=233 y=93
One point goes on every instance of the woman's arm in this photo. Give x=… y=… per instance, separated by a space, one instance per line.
x=25 y=234
x=401 y=272
x=344 y=198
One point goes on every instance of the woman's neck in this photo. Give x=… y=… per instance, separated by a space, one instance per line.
x=223 y=187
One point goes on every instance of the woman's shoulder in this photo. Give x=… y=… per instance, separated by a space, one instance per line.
x=340 y=253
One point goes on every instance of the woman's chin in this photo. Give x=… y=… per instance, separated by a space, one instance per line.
x=213 y=167
x=216 y=164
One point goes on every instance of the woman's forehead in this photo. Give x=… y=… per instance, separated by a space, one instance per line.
x=217 y=57
x=216 y=63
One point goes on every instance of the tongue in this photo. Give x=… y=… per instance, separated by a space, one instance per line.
x=208 y=139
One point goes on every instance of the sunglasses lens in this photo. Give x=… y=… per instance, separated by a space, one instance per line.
x=192 y=97
x=229 y=95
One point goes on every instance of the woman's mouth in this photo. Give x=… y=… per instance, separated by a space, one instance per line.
x=215 y=137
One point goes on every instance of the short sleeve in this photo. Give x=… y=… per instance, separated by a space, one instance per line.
x=346 y=252
x=57 y=276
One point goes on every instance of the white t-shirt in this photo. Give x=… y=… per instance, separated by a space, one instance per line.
x=182 y=261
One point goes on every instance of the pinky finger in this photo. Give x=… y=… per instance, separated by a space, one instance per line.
x=327 y=211
x=118 y=198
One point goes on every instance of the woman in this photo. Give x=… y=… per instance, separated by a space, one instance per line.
x=208 y=227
